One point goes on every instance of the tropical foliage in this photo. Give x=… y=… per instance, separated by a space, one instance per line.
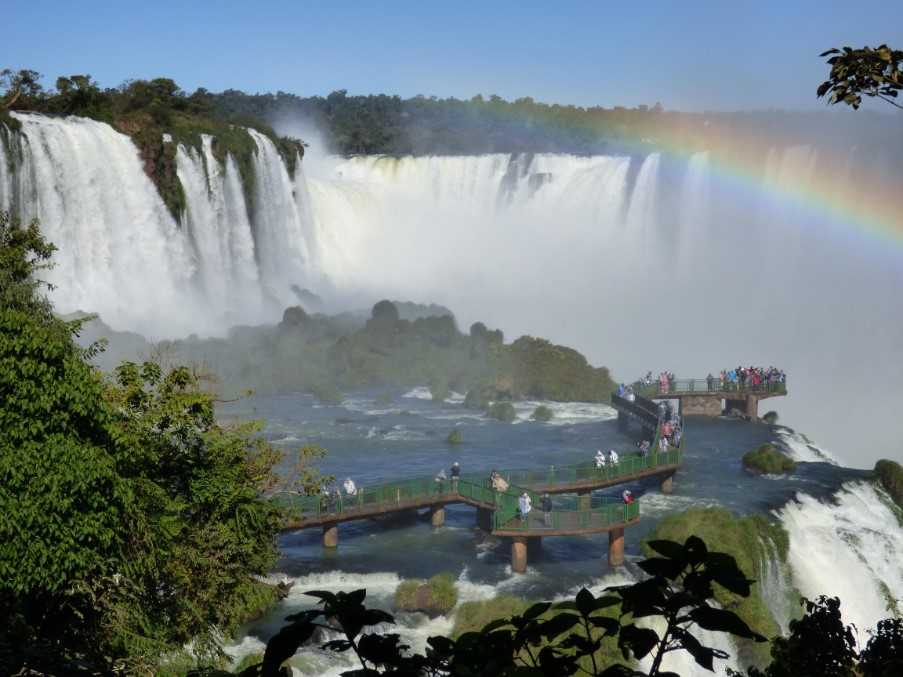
x=874 y=72
x=131 y=523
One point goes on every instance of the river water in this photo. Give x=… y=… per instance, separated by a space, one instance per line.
x=374 y=443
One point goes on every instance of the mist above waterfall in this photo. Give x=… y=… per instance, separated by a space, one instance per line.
x=642 y=261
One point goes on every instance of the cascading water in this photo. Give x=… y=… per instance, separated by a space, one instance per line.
x=120 y=252
x=607 y=246
x=849 y=547
x=217 y=225
x=279 y=233
x=611 y=246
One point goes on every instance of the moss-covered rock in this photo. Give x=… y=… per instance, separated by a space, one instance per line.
x=473 y=616
x=502 y=411
x=439 y=390
x=890 y=475
x=746 y=539
x=771 y=417
x=542 y=414
x=767 y=459
x=455 y=437
x=434 y=597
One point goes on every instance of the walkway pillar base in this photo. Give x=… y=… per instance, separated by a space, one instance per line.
x=484 y=519
x=437 y=516
x=330 y=535
x=668 y=485
x=519 y=554
x=616 y=547
x=584 y=500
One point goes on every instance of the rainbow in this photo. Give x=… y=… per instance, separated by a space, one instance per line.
x=864 y=206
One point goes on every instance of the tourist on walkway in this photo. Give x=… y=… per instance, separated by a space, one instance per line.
x=455 y=475
x=663 y=445
x=524 y=504
x=627 y=495
x=440 y=481
x=547 y=509
x=710 y=382
x=350 y=488
x=613 y=457
x=599 y=459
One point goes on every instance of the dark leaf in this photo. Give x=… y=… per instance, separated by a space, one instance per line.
x=537 y=610
x=336 y=645
x=660 y=566
x=586 y=603
x=722 y=620
x=696 y=550
x=669 y=549
x=553 y=627
x=611 y=625
x=283 y=646
x=495 y=625
x=640 y=641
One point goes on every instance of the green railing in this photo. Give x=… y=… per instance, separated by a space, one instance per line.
x=702 y=385
x=479 y=489
x=603 y=512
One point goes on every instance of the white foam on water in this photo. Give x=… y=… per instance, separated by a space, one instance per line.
x=850 y=547
x=801 y=449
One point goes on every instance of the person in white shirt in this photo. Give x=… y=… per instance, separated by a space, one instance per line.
x=524 y=504
x=350 y=488
x=600 y=459
x=613 y=457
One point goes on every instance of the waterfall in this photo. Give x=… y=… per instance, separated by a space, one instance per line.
x=849 y=548
x=5 y=176
x=278 y=231
x=745 y=269
x=216 y=222
x=120 y=252
x=774 y=585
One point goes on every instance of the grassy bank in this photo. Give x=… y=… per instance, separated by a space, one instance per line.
x=743 y=538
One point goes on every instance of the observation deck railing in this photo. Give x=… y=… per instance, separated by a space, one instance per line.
x=702 y=386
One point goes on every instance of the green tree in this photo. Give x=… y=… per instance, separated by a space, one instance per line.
x=63 y=505
x=131 y=522
x=875 y=72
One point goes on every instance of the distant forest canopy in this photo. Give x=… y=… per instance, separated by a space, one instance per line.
x=389 y=124
x=384 y=124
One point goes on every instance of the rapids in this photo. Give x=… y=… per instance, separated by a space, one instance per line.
x=844 y=537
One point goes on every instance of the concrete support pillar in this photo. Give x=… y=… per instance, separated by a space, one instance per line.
x=616 y=547
x=484 y=519
x=752 y=407
x=519 y=554
x=330 y=535
x=437 y=515
x=584 y=500
x=668 y=485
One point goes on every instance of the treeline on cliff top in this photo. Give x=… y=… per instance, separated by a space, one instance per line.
x=331 y=354
x=390 y=124
x=146 y=110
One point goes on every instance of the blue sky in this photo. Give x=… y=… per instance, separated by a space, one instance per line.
x=688 y=55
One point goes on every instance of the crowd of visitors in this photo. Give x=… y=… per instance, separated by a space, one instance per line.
x=601 y=460
x=748 y=378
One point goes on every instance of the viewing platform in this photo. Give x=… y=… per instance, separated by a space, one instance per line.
x=711 y=397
